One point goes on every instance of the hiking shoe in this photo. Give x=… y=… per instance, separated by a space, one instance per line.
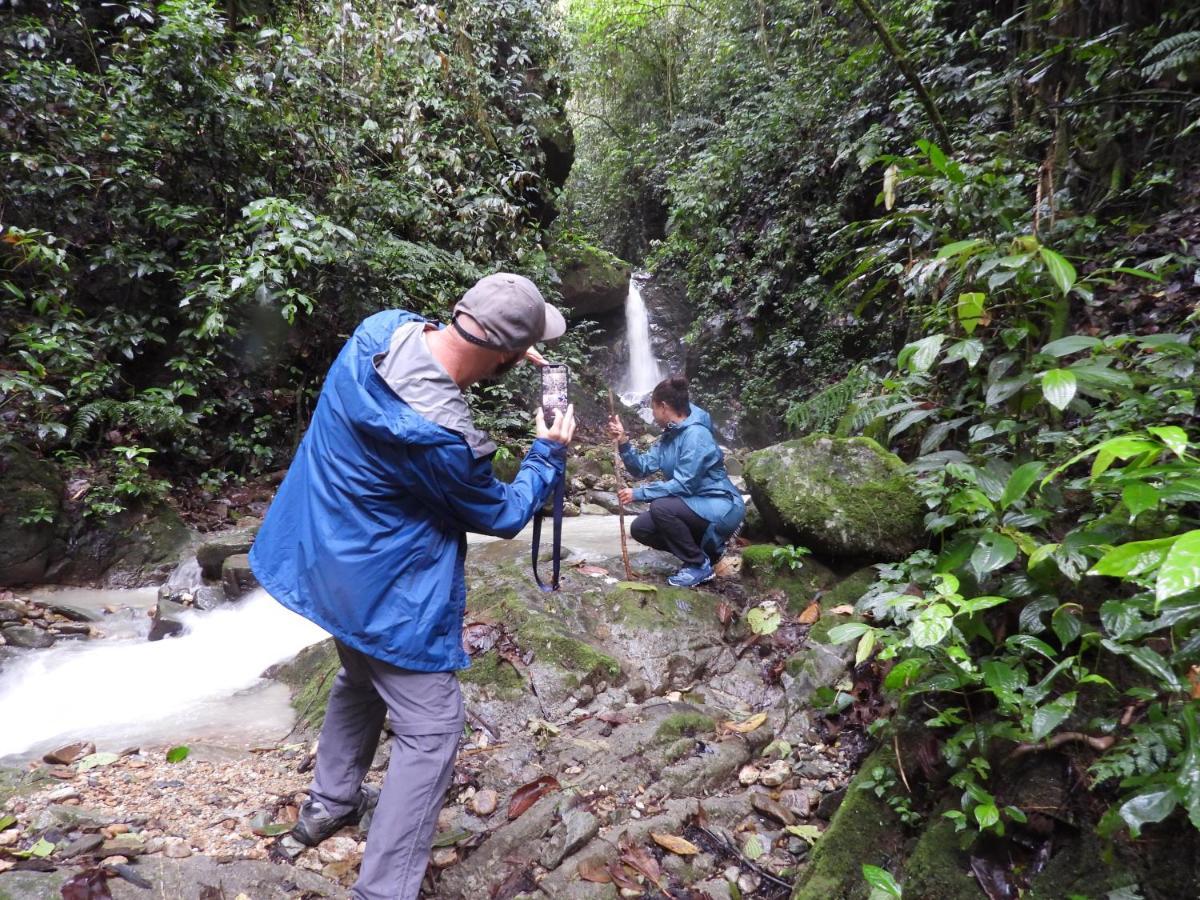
x=315 y=823
x=691 y=576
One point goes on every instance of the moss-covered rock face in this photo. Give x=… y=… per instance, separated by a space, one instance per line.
x=842 y=498
x=30 y=505
x=493 y=674
x=594 y=281
x=684 y=725
x=310 y=675
x=937 y=868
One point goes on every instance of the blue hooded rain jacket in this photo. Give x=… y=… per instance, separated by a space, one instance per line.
x=694 y=468
x=367 y=534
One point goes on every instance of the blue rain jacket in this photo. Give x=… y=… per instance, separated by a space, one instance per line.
x=694 y=468
x=367 y=534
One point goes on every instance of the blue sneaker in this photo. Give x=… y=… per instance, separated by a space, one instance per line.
x=692 y=576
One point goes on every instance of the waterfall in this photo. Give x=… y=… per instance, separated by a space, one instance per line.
x=643 y=373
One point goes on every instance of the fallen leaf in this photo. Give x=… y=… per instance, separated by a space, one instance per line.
x=747 y=726
x=595 y=871
x=592 y=570
x=178 y=754
x=639 y=859
x=753 y=848
x=613 y=718
x=621 y=877
x=844 y=609
x=7 y=822
x=272 y=830
x=724 y=613
x=1194 y=677
x=808 y=833
x=678 y=845
x=636 y=586
x=479 y=637
x=528 y=794
x=811 y=613
x=92 y=760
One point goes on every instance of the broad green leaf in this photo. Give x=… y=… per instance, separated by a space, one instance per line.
x=1061 y=271
x=273 y=830
x=1139 y=497
x=1124 y=447
x=1183 y=490
x=931 y=625
x=1065 y=346
x=753 y=848
x=1019 y=482
x=178 y=754
x=865 y=645
x=1133 y=559
x=1053 y=714
x=926 y=352
x=841 y=634
x=1119 y=618
x=1003 y=680
x=999 y=391
x=637 y=586
x=970 y=310
x=7 y=822
x=762 y=621
x=912 y=417
x=1099 y=378
x=1066 y=624
x=1138 y=273
x=1174 y=437
x=903 y=674
x=1151 y=661
x=1152 y=806
x=1180 y=570
x=41 y=849
x=969 y=349
x=992 y=551
x=1040 y=555
x=987 y=815
x=881 y=880
x=960 y=247
x=1058 y=387
x=807 y=833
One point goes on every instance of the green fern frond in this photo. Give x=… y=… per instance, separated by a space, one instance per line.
x=1175 y=52
x=823 y=409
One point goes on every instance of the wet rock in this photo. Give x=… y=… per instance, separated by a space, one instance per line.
x=71 y=818
x=30 y=506
x=592 y=509
x=772 y=808
x=128 y=844
x=74 y=613
x=215 y=548
x=443 y=857
x=801 y=802
x=337 y=849
x=176 y=848
x=237 y=577
x=69 y=754
x=776 y=773
x=67 y=792
x=844 y=498
x=484 y=802
x=28 y=637
x=830 y=802
x=594 y=281
x=578 y=826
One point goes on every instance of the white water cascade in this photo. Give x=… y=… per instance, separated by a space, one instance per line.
x=644 y=372
x=124 y=690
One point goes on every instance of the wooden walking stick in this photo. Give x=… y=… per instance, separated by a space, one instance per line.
x=620 y=486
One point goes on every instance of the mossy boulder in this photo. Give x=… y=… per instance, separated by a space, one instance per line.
x=594 y=281
x=683 y=724
x=310 y=676
x=842 y=498
x=136 y=547
x=30 y=508
x=775 y=572
x=937 y=868
x=494 y=674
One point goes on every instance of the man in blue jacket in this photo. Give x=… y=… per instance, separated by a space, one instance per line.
x=696 y=508
x=367 y=538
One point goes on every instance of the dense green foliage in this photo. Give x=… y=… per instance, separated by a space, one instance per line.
x=757 y=134
x=195 y=215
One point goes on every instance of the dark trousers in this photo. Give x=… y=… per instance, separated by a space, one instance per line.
x=670 y=524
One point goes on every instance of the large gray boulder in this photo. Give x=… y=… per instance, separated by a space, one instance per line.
x=30 y=508
x=594 y=282
x=841 y=498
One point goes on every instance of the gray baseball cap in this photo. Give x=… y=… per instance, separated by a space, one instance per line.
x=511 y=311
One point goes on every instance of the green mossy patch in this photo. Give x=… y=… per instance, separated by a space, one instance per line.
x=662 y=608
x=489 y=670
x=863 y=830
x=937 y=868
x=683 y=725
x=800 y=585
x=310 y=675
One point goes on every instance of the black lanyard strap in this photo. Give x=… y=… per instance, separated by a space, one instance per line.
x=560 y=492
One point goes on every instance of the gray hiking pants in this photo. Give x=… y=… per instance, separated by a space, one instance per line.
x=426 y=713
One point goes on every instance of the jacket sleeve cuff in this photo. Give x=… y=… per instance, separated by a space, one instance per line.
x=552 y=450
x=639 y=494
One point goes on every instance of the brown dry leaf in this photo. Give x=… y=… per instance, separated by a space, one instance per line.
x=595 y=871
x=811 y=613
x=747 y=726
x=844 y=609
x=724 y=612
x=592 y=570
x=613 y=718
x=677 y=845
x=528 y=794
x=621 y=877
x=1194 y=677
x=639 y=859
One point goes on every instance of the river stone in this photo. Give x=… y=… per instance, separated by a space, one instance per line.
x=842 y=498
x=217 y=547
x=28 y=637
x=30 y=489
x=237 y=577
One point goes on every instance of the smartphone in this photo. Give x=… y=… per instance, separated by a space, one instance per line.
x=556 y=383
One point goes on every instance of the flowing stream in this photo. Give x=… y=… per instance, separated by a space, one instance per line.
x=203 y=686
x=644 y=372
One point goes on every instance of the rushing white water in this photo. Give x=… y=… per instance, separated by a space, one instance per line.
x=119 y=692
x=644 y=372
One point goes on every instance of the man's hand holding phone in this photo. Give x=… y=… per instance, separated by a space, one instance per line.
x=562 y=429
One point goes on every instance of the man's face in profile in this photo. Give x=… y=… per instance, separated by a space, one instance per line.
x=504 y=364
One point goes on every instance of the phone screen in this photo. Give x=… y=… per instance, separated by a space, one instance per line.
x=556 y=380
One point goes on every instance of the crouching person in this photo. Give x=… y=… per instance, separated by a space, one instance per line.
x=696 y=509
x=367 y=538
